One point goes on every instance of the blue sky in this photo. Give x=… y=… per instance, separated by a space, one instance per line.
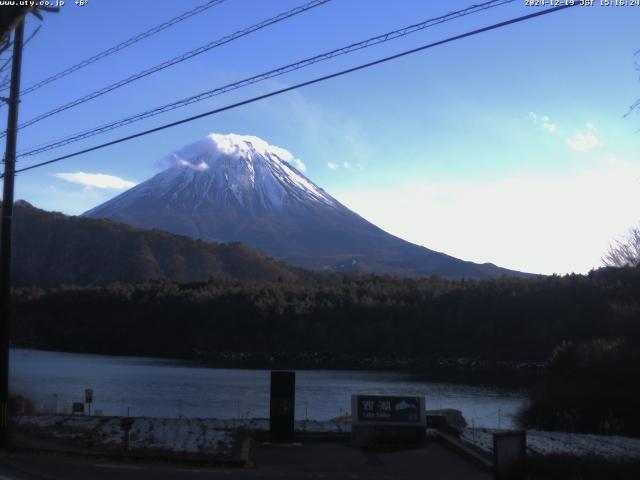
x=509 y=147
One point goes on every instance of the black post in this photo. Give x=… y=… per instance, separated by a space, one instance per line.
x=510 y=455
x=5 y=235
x=126 y=423
x=282 y=407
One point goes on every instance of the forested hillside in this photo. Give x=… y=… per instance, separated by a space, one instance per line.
x=51 y=249
x=501 y=319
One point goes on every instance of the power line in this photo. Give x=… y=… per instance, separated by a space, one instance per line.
x=127 y=43
x=26 y=42
x=176 y=60
x=6 y=81
x=33 y=34
x=635 y=106
x=300 y=85
x=263 y=76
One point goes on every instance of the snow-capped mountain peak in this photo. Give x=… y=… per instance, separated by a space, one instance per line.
x=244 y=166
x=226 y=171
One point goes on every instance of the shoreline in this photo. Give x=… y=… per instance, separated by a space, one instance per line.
x=324 y=361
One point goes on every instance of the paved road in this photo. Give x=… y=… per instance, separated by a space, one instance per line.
x=310 y=461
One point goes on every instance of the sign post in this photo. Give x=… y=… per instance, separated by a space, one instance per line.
x=282 y=406
x=125 y=424
x=88 y=398
x=387 y=420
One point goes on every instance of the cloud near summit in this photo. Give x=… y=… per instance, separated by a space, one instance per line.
x=227 y=144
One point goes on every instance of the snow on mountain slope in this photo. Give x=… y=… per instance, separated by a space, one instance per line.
x=225 y=168
x=239 y=188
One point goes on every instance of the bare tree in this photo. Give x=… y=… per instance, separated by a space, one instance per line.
x=625 y=251
x=635 y=106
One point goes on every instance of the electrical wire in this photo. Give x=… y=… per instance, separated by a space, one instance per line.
x=33 y=34
x=127 y=43
x=6 y=81
x=385 y=37
x=300 y=85
x=180 y=58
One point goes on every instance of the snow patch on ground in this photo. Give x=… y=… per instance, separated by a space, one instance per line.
x=546 y=443
x=217 y=436
x=180 y=435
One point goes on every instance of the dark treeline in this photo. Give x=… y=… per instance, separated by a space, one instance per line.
x=501 y=319
x=589 y=387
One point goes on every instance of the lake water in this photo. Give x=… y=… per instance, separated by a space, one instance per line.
x=168 y=388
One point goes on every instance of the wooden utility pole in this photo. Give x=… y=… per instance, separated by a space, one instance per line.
x=5 y=234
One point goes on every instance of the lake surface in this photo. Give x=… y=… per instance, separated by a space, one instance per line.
x=168 y=388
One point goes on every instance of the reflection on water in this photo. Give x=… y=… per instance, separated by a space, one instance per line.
x=164 y=388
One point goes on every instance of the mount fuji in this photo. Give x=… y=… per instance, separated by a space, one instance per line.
x=227 y=188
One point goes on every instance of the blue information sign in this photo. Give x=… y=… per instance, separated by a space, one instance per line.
x=386 y=409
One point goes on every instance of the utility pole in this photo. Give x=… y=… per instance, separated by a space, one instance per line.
x=5 y=235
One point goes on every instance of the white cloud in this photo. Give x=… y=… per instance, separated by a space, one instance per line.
x=96 y=180
x=530 y=223
x=584 y=141
x=231 y=144
x=347 y=165
x=296 y=162
x=332 y=166
x=60 y=198
x=581 y=141
x=335 y=133
x=186 y=163
x=548 y=126
x=543 y=122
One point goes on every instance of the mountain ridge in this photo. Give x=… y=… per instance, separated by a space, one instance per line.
x=51 y=249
